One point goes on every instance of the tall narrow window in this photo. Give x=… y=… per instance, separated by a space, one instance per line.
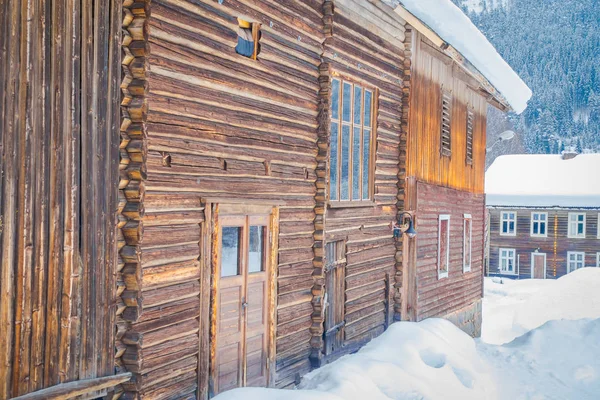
x=443 y=246
x=335 y=289
x=539 y=223
x=351 y=142
x=507 y=261
x=575 y=260
x=508 y=223
x=446 y=123
x=470 y=122
x=467 y=242
x=576 y=226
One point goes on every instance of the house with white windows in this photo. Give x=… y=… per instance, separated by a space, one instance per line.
x=543 y=215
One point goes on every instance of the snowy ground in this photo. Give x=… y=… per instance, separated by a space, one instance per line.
x=541 y=340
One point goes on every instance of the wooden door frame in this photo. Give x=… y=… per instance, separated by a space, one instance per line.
x=533 y=263
x=210 y=283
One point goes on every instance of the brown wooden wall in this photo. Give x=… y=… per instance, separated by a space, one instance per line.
x=366 y=46
x=231 y=128
x=441 y=296
x=524 y=244
x=59 y=139
x=432 y=70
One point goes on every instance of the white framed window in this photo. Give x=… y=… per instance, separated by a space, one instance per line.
x=597 y=260
x=443 y=246
x=576 y=226
x=467 y=242
x=539 y=224
x=508 y=223
x=575 y=260
x=507 y=261
x=598 y=226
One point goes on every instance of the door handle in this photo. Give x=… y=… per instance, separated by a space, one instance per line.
x=244 y=303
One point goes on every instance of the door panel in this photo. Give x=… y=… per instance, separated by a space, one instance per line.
x=242 y=301
x=539 y=266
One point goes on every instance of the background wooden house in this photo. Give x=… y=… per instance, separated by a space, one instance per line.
x=233 y=220
x=544 y=215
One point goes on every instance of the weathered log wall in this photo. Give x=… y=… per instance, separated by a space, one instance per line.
x=59 y=139
x=555 y=245
x=222 y=126
x=365 y=44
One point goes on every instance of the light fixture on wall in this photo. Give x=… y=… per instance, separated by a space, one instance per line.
x=503 y=137
x=404 y=225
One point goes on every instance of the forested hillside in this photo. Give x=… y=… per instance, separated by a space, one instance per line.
x=554 y=46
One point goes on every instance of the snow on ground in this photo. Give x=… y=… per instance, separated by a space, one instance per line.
x=541 y=340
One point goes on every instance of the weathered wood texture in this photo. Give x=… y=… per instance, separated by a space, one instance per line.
x=365 y=45
x=435 y=296
x=556 y=245
x=433 y=71
x=59 y=139
x=224 y=126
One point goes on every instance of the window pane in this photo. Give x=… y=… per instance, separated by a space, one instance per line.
x=333 y=166
x=580 y=217
x=356 y=183
x=357 y=104
x=347 y=102
x=542 y=229
x=580 y=229
x=345 y=158
x=230 y=251
x=256 y=259
x=366 y=158
x=368 y=106
x=335 y=99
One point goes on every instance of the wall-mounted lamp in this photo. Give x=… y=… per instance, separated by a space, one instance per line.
x=404 y=225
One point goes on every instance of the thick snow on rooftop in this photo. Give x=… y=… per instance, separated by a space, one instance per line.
x=454 y=27
x=544 y=181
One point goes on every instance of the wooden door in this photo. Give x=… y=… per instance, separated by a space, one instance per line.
x=242 y=303
x=335 y=292
x=538 y=266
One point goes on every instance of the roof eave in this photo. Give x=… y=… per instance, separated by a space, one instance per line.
x=487 y=90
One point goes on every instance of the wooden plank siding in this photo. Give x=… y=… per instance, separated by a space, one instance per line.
x=442 y=296
x=59 y=139
x=556 y=245
x=366 y=46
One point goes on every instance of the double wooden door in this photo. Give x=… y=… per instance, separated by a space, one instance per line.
x=242 y=302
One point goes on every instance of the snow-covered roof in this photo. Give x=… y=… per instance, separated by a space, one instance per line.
x=544 y=181
x=455 y=28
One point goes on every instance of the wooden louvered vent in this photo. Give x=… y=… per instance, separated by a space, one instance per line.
x=470 y=121
x=446 y=139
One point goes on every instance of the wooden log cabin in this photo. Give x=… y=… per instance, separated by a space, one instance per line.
x=543 y=215
x=199 y=195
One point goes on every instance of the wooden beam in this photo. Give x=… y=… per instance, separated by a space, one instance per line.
x=77 y=388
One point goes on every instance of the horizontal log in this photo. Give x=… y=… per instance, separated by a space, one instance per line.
x=78 y=388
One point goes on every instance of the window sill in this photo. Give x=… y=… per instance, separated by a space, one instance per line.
x=575 y=237
x=509 y=234
x=442 y=275
x=351 y=204
x=539 y=236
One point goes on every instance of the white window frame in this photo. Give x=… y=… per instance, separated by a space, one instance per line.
x=514 y=260
x=574 y=253
x=575 y=235
x=598 y=260
x=539 y=222
x=467 y=267
x=502 y=219
x=598 y=226
x=443 y=274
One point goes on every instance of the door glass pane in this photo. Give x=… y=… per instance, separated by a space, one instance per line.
x=230 y=251
x=335 y=99
x=356 y=183
x=256 y=259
